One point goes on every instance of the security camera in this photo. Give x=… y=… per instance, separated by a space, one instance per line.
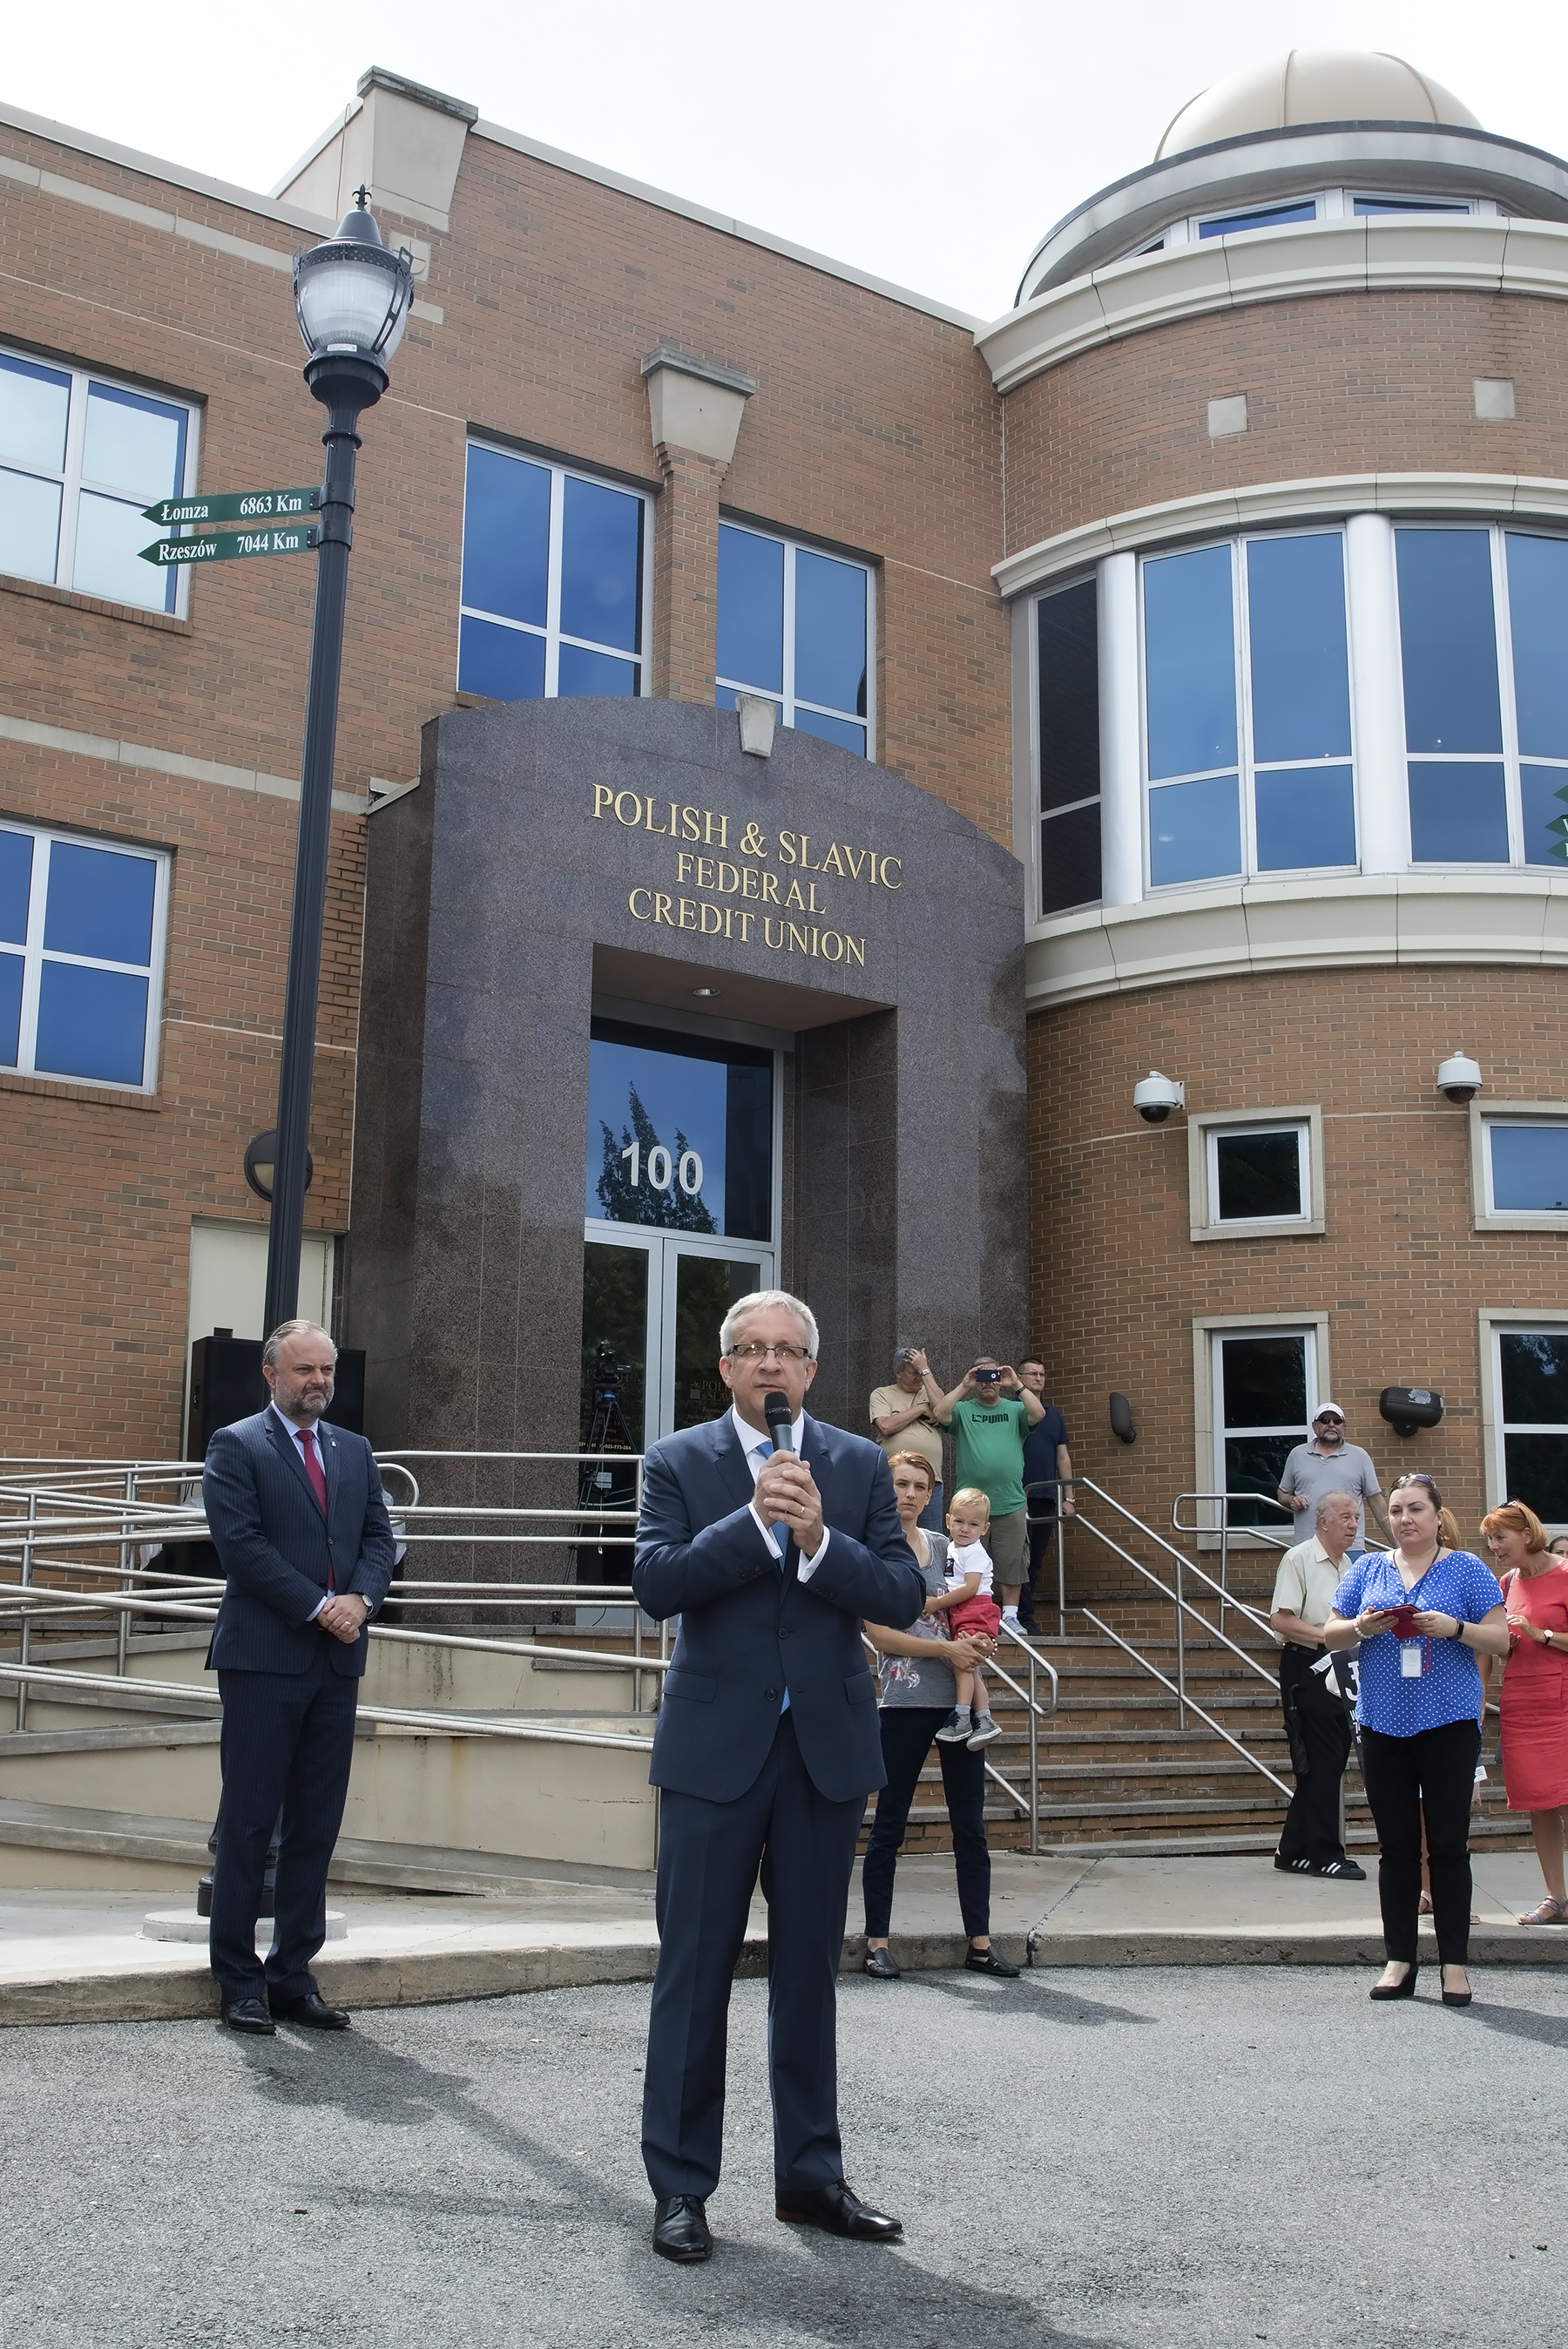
x=1459 y=1078
x=1157 y=1096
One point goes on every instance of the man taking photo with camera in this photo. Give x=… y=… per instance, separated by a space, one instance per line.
x=991 y=1412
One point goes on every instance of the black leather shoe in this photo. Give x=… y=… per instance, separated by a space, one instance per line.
x=680 y=2227
x=248 y=2015
x=313 y=2010
x=840 y=2211
x=881 y=1967
x=987 y=1961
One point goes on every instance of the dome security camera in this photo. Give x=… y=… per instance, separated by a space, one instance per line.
x=1460 y=1079
x=1155 y=1096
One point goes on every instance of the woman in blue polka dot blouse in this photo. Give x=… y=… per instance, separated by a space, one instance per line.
x=1420 y=1619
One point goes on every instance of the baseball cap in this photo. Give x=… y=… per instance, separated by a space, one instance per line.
x=1323 y=1410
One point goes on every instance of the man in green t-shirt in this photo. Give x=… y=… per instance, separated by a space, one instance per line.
x=990 y=1413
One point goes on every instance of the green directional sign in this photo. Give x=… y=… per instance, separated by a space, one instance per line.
x=231 y=505
x=231 y=546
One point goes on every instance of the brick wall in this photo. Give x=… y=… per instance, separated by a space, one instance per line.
x=1399 y=1270
x=873 y=428
x=1342 y=383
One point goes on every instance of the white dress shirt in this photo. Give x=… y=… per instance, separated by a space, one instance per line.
x=752 y=1443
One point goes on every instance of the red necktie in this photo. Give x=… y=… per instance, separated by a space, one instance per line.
x=317 y=1474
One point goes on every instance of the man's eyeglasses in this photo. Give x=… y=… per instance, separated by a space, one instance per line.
x=1329 y=1419
x=752 y=1353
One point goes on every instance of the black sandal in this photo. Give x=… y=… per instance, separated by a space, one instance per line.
x=986 y=1961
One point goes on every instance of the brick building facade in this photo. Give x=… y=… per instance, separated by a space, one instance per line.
x=1336 y=344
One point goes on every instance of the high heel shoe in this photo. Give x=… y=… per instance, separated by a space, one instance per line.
x=1405 y=1989
x=1453 y=1997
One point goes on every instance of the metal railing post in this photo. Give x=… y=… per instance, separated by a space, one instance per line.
x=1180 y=1652
x=1225 y=1555
x=636 y=1650
x=24 y=1637
x=122 y=1642
x=1034 y=1758
x=1062 y=1492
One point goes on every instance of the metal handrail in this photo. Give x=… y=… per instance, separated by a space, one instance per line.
x=1270 y=1536
x=1030 y=1807
x=1208 y=1718
x=1059 y=1486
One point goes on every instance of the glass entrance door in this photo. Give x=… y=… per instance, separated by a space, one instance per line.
x=681 y=1199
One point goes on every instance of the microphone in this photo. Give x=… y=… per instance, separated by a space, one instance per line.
x=780 y=1420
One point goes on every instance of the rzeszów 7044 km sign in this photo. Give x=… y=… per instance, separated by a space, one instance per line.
x=231 y=505
x=231 y=545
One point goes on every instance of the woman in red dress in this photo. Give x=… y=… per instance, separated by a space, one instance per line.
x=1534 y=1698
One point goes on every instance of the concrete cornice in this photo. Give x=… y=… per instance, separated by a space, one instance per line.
x=1249 y=929
x=1495 y=495
x=1224 y=272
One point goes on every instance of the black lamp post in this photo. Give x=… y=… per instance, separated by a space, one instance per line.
x=351 y=298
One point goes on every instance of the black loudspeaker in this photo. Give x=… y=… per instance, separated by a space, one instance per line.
x=1407 y=1408
x=226 y=1384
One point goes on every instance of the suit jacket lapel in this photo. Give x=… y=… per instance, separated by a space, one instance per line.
x=326 y=1446
x=729 y=1460
x=285 y=1443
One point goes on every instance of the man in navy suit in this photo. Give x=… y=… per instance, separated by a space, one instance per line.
x=766 y=1749
x=299 y=1521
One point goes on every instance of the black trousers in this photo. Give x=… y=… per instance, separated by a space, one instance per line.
x=709 y=1857
x=287 y=1744
x=1322 y=1740
x=907 y=1734
x=1433 y=1772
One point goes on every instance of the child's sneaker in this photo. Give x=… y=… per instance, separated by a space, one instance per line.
x=987 y=1727
x=1010 y=1617
x=955 y=1730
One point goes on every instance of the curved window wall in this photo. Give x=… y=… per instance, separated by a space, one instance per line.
x=1198 y=709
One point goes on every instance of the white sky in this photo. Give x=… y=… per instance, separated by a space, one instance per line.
x=930 y=143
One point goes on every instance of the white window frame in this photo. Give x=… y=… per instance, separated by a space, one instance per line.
x=72 y=482
x=1330 y=204
x=552 y=632
x=1484 y=1217
x=1491 y=1328
x=1509 y=757
x=790 y=701
x=1207 y=1416
x=1248 y=767
x=1203 y=1181
x=35 y=956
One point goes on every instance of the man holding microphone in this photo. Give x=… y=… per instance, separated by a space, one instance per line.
x=771 y=1537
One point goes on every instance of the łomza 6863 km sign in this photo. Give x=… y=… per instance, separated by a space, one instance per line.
x=265 y=509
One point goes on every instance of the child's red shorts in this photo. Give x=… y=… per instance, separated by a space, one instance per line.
x=976 y=1614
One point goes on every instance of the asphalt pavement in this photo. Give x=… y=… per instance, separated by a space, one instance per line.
x=1203 y=2155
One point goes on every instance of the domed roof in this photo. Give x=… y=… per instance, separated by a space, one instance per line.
x=1312 y=86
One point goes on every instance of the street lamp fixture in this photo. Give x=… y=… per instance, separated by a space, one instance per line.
x=352 y=299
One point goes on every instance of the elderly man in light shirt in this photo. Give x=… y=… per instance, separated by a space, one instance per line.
x=1316 y=1720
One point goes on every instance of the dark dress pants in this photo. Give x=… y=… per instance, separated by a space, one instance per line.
x=907 y=1734
x=1433 y=1772
x=709 y=1855
x=1322 y=1726
x=287 y=1744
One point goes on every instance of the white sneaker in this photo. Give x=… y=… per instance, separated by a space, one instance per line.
x=1010 y=1616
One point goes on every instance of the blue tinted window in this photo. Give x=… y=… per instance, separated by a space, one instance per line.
x=1194 y=830
x=15 y=885
x=829 y=632
x=507 y=663
x=506 y=540
x=1529 y=1168
x=1300 y=672
x=1306 y=816
x=1191 y=664
x=831 y=730
x=35 y=404
x=586 y=672
x=91 y=1023
x=1543 y=805
x=680 y=1131
x=1368 y=205
x=100 y=903
x=1538 y=621
x=11 y=968
x=1277 y=216
x=600 y=565
x=1459 y=812
x=1448 y=640
x=752 y=610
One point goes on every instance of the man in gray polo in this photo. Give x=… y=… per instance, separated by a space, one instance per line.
x=1326 y=1463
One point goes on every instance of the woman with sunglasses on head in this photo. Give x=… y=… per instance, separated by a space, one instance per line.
x=1533 y=1702
x=1420 y=1618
